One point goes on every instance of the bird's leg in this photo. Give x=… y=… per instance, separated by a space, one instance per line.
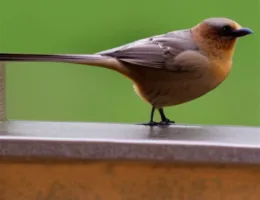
x=151 y=122
x=165 y=120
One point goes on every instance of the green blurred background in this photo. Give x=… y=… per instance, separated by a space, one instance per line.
x=67 y=92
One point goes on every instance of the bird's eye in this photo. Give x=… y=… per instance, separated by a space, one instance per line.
x=226 y=29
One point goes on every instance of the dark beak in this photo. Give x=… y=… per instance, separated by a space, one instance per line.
x=241 y=32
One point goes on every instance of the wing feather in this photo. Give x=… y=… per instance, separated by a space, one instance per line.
x=155 y=52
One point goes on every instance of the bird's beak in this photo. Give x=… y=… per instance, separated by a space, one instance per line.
x=242 y=32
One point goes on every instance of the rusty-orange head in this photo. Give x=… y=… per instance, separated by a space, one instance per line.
x=219 y=35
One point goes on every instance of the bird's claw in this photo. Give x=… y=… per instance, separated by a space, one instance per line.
x=151 y=123
x=166 y=122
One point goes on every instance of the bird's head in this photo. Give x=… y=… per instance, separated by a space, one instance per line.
x=219 y=34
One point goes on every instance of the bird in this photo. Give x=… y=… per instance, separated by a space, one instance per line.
x=167 y=69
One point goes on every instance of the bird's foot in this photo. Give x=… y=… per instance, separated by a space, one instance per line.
x=150 y=123
x=166 y=122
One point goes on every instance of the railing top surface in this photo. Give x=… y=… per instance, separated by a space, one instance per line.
x=179 y=143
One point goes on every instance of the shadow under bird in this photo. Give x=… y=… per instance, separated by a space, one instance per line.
x=168 y=69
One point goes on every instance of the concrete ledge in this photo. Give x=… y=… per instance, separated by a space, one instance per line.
x=88 y=141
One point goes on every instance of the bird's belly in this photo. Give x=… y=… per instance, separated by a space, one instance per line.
x=163 y=93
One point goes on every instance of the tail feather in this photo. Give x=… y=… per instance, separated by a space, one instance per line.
x=48 y=57
x=88 y=59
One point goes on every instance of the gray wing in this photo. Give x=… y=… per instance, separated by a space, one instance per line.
x=155 y=52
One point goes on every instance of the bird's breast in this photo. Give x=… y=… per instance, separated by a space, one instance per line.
x=164 y=88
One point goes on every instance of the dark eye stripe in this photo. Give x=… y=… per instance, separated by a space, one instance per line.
x=227 y=28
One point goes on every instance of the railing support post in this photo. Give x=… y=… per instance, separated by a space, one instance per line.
x=2 y=93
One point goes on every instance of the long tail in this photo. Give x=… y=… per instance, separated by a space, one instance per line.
x=95 y=60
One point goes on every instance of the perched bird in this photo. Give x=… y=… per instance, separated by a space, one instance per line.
x=167 y=69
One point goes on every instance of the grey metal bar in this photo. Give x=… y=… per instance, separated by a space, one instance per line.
x=177 y=143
